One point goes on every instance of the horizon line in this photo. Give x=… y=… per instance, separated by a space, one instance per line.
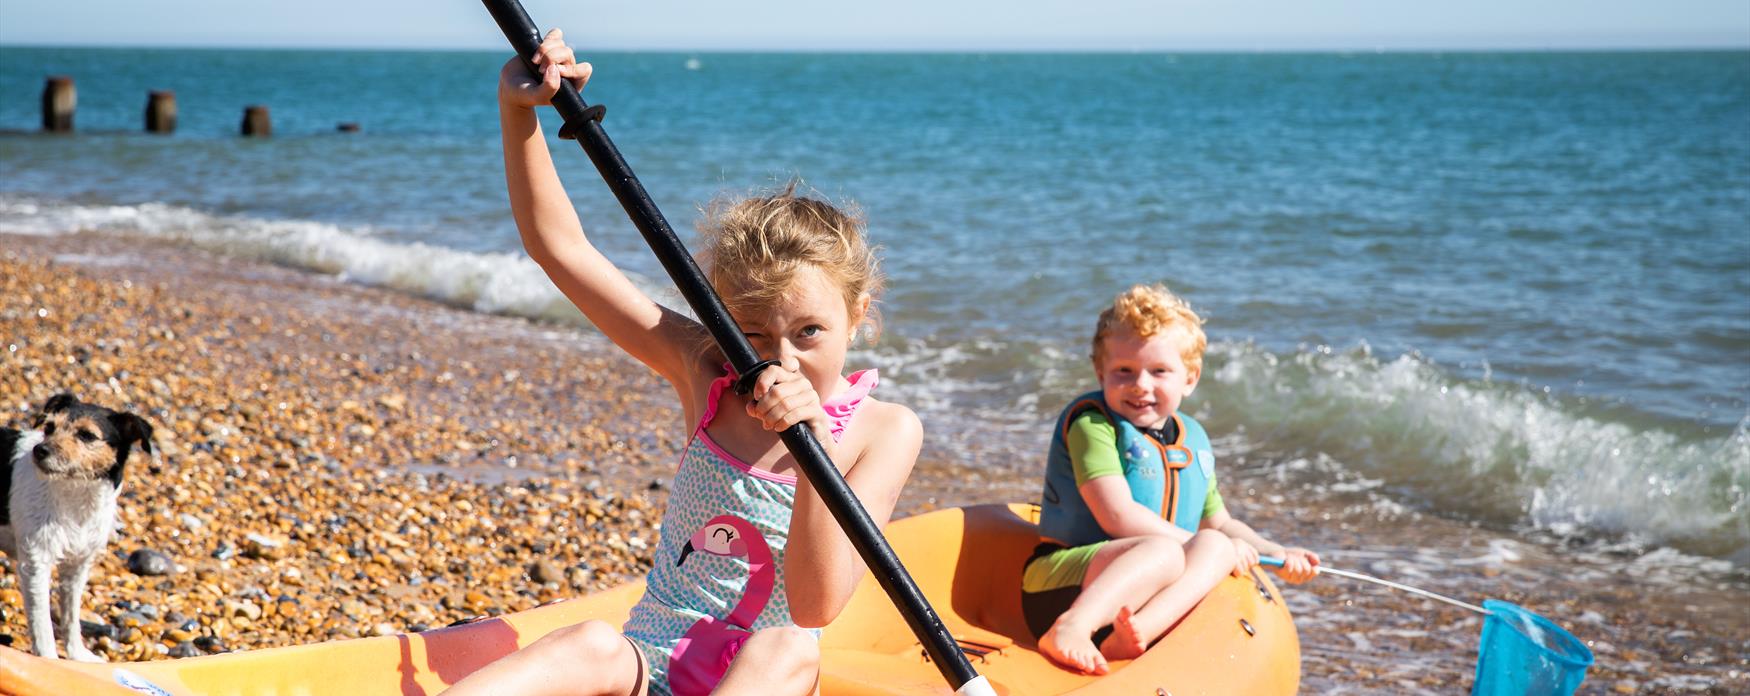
x=1373 y=48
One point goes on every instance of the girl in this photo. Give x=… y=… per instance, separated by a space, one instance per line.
x=749 y=557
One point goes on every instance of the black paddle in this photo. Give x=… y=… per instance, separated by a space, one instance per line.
x=583 y=123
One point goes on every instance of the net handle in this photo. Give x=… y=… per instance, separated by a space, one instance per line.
x=1321 y=570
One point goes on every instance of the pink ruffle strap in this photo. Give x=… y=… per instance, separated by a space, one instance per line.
x=843 y=405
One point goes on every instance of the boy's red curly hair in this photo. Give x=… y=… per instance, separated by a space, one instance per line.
x=1147 y=311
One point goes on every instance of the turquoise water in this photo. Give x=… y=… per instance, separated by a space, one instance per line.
x=1507 y=287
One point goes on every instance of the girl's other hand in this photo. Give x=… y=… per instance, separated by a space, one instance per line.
x=1245 y=556
x=555 y=61
x=782 y=397
x=1298 y=565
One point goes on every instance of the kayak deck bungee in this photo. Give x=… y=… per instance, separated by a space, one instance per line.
x=1239 y=640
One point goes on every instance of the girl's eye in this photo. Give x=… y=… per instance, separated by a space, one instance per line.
x=87 y=436
x=810 y=331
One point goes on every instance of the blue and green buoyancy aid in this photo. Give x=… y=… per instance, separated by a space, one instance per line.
x=1171 y=478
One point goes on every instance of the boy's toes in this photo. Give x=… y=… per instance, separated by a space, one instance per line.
x=1092 y=662
x=1125 y=643
x=1073 y=650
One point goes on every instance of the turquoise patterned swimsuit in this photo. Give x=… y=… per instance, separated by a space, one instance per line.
x=719 y=569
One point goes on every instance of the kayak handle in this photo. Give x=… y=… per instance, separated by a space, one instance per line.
x=1322 y=570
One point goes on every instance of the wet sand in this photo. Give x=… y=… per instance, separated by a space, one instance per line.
x=341 y=461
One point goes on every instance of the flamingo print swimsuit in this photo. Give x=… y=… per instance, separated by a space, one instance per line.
x=719 y=569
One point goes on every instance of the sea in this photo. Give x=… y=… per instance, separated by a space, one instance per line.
x=1506 y=289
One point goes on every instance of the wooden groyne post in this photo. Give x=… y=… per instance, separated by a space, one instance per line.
x=59 y=98
x=256 y=122
x=160 y=111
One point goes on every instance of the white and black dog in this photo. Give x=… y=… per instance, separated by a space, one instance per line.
x=58 y=486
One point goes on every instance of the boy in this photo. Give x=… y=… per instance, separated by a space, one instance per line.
x=1135 y=532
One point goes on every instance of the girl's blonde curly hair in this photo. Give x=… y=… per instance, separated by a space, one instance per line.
x=1149 y=310
x=753 y=248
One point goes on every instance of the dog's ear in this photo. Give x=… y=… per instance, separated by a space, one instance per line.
x=131 y=428
x=56 y=404
x=59 y=402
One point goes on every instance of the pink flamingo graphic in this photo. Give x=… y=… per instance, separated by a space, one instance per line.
x=702 y=655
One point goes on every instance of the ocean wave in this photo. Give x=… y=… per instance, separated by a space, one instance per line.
x=1502 y=452
x=1400 y=430
x=497 y=283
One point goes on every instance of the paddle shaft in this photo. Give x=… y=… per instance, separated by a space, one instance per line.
x=1321 y=570
x=583 y=122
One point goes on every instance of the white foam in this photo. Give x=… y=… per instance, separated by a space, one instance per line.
x=502 y=283
x=1501 y=451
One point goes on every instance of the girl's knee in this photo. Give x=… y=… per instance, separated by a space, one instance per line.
x=788 y=650
x=598 y=642
x=592 y=653
x=794 y=641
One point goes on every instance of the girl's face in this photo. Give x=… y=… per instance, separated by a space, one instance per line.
x=809 y=330
x=1145 y=379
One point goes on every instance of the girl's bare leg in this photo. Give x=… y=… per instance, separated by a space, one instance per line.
x=586 y=659
x=774 y=662
x=1123 y=573
x=1209 y=557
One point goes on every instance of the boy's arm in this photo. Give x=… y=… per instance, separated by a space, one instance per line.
x=1298 y=563
x=553 y=236
x=1093 y=452
x=1231 y=526
x=1108 y=497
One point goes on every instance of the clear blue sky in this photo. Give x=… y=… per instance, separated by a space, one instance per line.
x=897 y=24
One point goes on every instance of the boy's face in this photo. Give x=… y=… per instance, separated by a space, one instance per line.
x=1144 y=379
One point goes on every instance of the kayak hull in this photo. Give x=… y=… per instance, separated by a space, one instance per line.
x=967 y=561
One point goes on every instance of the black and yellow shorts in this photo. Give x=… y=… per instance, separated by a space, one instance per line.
x=1051 y=580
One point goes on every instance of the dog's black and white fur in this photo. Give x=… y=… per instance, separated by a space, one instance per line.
x=58 y=487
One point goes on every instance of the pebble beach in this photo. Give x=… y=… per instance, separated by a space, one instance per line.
x=334 y=462
x=339 y=461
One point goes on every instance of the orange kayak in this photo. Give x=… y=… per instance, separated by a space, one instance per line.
x=967 y=561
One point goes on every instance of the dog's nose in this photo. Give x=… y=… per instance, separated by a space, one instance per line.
x=40 y=451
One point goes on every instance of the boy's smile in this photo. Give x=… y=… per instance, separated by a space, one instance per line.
x=1145 y=379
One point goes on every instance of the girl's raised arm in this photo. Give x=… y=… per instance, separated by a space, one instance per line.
x=551 y=233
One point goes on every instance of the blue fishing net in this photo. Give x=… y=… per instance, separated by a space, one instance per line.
x=1523 y=654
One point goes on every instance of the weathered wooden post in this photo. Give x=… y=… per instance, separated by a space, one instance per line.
x=161 y=111
x=256 y=122
x=59 y=98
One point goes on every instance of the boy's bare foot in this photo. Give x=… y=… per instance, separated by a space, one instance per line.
x=1072 y=648
x=1124 y=643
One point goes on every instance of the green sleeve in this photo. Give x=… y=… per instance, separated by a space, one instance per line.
x=1093 y=447
x=1212 y=502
